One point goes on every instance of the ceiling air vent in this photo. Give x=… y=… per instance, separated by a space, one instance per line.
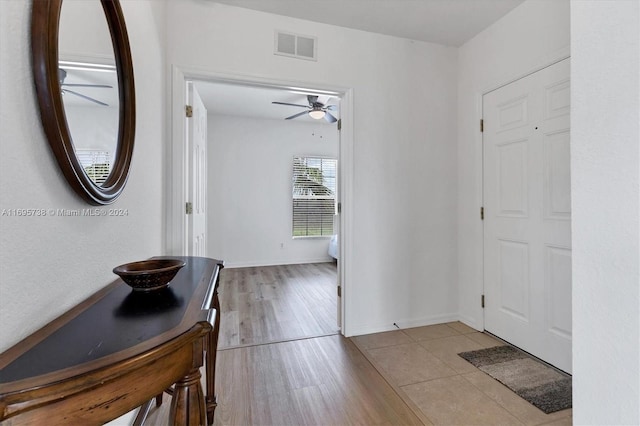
x=295 y=45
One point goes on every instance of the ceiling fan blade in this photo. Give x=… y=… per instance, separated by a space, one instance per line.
x=296 y=105
x=323 y=99
x=85 y=97
x=312 y=99
x=297 y=115
x=332 y=107
x=330 y=118
x=101 y=86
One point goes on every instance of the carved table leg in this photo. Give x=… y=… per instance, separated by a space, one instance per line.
x=212 y=349
x=187 y=404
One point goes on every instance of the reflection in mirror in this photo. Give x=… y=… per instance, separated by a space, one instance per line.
x=70 y=54
x=89 y=86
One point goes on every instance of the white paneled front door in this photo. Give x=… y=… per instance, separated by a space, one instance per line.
x=527 y=214
x=197 y=181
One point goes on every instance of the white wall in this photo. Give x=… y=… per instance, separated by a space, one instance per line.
x=402 y=256
x=249 y=196
x=48 y=264
x=94 y=128
x=605 y=138
x=529 y=37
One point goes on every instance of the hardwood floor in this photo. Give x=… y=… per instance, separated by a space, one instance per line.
x=277 y=303
x=403 y=377
x=281 y=361
x=315 y=381
x=324 y=380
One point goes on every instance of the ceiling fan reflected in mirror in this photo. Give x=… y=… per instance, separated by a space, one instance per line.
x=316 y=109
x=62 y=75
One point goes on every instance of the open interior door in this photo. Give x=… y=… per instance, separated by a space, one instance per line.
x=196 y=116
x=336 y=232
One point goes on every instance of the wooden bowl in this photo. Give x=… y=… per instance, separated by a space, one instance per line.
x=149 y=275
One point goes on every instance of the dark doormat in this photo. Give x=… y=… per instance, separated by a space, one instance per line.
x=541 y=385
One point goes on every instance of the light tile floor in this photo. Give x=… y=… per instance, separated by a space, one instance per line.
x=423 y=366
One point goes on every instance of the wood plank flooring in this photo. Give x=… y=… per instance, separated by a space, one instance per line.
x=281 y=361
x=324 y=380
x=277 y=303
x=315 y=381
x=403 y=377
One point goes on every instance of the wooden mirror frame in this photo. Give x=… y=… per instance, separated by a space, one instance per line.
x=45 y=21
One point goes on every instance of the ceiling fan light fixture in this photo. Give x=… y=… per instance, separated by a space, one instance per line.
x=316 y=114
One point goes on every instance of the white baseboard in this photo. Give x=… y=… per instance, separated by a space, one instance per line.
x=471 y=322
x=430 y=320
x=255 y=263
x=404 y=323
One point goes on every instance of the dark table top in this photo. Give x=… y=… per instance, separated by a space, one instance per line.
x=119 y=320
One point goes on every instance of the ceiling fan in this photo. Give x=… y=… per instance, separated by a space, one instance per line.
x=62 y=75
x=315 y=109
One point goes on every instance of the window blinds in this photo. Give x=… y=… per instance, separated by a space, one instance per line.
x=314 y=196
x=96 y=164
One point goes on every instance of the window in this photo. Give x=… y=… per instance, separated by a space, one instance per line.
x=96 y=164
x=314 y=196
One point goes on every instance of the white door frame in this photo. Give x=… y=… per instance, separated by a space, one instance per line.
x=177 y=157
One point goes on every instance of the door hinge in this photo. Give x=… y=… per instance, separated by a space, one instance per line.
x=482 y=301
x=188 y=109
x=339 y=208
x=188 y=207
x=481 y=125
x=481 y=213
x=340 y=124
x=339 y=291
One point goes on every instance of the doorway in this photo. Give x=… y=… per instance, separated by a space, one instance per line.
x=527 y=214
x=177 y=229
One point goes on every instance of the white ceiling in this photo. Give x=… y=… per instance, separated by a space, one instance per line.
x=256 y=101
x=90 y=82
x=448 y=22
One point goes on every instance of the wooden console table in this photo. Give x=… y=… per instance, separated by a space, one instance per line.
x=117 y=350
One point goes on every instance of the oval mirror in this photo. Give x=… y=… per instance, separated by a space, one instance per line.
x=84 y=83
